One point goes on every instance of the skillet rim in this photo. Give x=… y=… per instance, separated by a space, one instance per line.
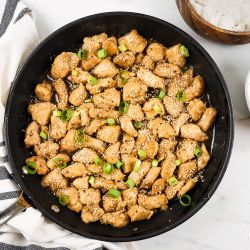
x=189 y=213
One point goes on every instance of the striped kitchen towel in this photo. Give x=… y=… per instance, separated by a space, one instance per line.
x=29 y=229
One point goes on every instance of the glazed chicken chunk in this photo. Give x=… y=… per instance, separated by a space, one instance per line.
x=44 y=92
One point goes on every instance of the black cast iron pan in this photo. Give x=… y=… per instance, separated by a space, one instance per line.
x=69 y=38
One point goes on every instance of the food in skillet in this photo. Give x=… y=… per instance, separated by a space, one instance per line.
x=119 y=129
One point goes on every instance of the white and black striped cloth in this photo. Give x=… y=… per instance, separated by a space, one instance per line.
x=29 y=230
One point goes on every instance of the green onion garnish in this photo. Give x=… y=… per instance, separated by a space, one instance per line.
x=43 y=135
x=57 y=113
x=177 y=162
x=88 y=100
x=197 y=151
x=172 y=181
x=80 y=136
x=137 y=166
x=123 y=108
x=98 y=161
x=60 y=162
x=92 y=80
x=111 y=121
x=137 y=125
x=184 y=51
x=161 y=94
x=157 y=109
x=114 y=193
x=82 y=54
x=185 y=200
x=30 y=168
x=118 y=164
x=122 y=47
x=130 y=183
x=121 y=78
x=102 y=53
x=107 y=168
x=91 y=180
x=66 y=115
x=74 y=73
x=64 y=200
x=155 y=163
x=181 y=96
x=142 y=154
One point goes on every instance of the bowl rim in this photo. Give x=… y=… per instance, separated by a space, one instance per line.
x=190 y=212
x=221 y=30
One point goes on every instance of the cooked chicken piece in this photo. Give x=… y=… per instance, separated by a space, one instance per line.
x=127 y=126
x=94 y=169
x=94 y=43
x=41 y=112
x=175 y=56
x=75 y=170
x=102 y=84
x=186 y=150
x=78 y=95
x=135 y=112
x=90 y=196
x=40 y=164
x=192 y=131
x=110 y=44
x=179 y=122
x=144 y=136
x=133 y=41
x=107 y=99
x=139 y=175
x=58 y=128
x=116 y=175
x=94 y=125
x=161 y=128
x=150 y=79
x=105 y=69
x=125 y=59
x=196 y=108
x=46 y=149
x=148 y=62
x=128 y=162
x=121 y=185
x=43 y=91
x=138 y=58
x=91 y=213
x=153 y=107
x=54 y=180
x=116 y=219
x=165 y=145
x=188 y=186
x=156 y=51
x=73 y=195
x=68 y=142
x=173 y=106
x=103 y=113
x=75 y=121
x=64 y=63
x=109 y=134
x=153 y=202
x=91 y=61
x=62 y=94
x=187 y=170
x=127 y=145
x=93 y=143
x=130 y=196
x=207 y=119
x=110 y=204
x=151 y=148
x=171 y=191
x=84 y=113
x=59 y=160
x=103 y=183
x=32 y=134
x=112 y=153
x=137 y=213
x=204 y=158
x=81 y=182
x=158 y=186
x=167 y=70
x=85 y=156
x=134 y=90
x=196 y=89
x=79 y=76
x=168 y=168
x=151 y=177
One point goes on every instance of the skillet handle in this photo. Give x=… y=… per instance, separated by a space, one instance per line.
x=14 y=209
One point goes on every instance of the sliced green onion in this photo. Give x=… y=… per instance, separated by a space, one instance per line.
x=80 y=136
x=155 y=163
x=74 y=73
x=107 y=168
x=142 y=154
x=92 y=80
x=123 y=108
x=27 y=170
x=137 y=125
x=64 y=200
x=98 y=161
x=137 y=166
x=102 y=53
x=60 y=162
x=177 y=162
x=181 y=96
x=122 y=47
x=57 y=113
x=43 y=135
x=197 y=151
x=185 y=200
x=118 y=164
x=111 y=121
x=121 y=78
x=184 y=51
x=91 y=180
x=82 y=54
x=172 y=181
x=157 y=109
x=161 y=94
x=66 y=115
x=114 y=193
x=130 y=183
x=88 y=100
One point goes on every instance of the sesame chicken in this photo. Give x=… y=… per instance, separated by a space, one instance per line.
x=32 y=137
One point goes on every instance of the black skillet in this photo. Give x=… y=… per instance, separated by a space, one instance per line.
x=69 y=38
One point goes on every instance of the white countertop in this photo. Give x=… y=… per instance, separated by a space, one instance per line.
x=224 y=222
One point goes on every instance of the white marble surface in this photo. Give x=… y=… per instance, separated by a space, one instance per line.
x=224 y=223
